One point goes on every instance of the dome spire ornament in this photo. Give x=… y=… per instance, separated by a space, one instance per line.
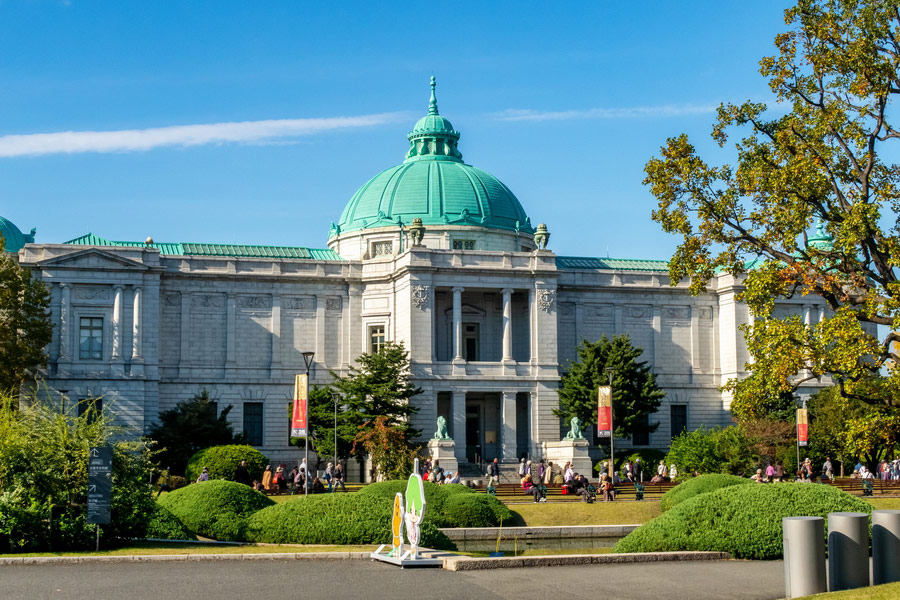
x=432 y=104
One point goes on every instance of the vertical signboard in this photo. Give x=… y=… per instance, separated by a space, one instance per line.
x=604 y=411
x=298 y=417
x=99 y=484
x=802 y=427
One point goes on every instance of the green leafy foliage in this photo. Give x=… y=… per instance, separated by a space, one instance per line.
x=335 y=519
x=191 y=426
x=635 y=393
x=744 y=520
x=474 y=510
x=44 y=449
x=436 y=499
x=824 y=159
x=215 y=509
x=223 y=460
x=164 y=525
x=719 y=450
x=386 y=490
x=25 y=328
x=387 y=446
x=699 y=485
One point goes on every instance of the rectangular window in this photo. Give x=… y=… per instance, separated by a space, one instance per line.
x=382 y=248
x=213 y=409
x=471 y=341
x=92 y=407
x=463 y=244
x=253 y=422
x=376 y=339
x=642 y=438
x=678 y=418
x=90 y=338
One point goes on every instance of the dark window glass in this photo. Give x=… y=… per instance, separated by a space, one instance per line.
x=642 y=438
x=92 y=407
x=90 y=338
x=678 y=418
x=253 y=422
x=376 y=339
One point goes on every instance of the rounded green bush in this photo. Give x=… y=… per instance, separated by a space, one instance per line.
x=744 y=520
x=335 y=519
x=215 y=509
x=450 y=489
x=223 y=460
x=166 y=526
x=469 y=510
x=435 y=496
x=699 y=485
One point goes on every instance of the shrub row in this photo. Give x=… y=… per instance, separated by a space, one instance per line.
x=699 y=485
x=744 y=520
x=215 y=509
x=221 y=461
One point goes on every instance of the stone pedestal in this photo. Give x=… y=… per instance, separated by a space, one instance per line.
x=573 y=451
x=444 y=452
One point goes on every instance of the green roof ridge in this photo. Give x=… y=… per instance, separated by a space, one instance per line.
x=214 y=249
x=612 y=264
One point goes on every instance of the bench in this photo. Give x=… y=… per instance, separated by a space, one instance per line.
x=866 y=487
x=624 y=491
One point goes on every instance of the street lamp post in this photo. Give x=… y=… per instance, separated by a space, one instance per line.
x=612 y=429
x=336 y=398
x=308 y=360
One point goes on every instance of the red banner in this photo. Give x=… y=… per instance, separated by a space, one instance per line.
x=604 y=411
x=802 y=427
x=298 y=418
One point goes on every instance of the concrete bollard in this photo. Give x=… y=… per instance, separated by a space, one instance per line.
x=804 y=556
x=848 y=550
x=885 y=546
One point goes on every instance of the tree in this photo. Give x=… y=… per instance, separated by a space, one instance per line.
x=392 y=457
x=379 y=387
x=25 y=328
x=635 y=393
x=191 y=426
x=823 y=160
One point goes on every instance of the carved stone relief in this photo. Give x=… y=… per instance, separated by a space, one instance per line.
x=208 y=300
x=704 y=312
x=333 y=303
x=92 y=292
x=545 y=299
x=603 y=312
x=173 y=299
x=420 y=296
x=637 y=312
x=676 y=313
x=253 y=302
x=302 y=303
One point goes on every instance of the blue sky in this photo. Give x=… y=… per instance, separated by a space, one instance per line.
x=256 y=122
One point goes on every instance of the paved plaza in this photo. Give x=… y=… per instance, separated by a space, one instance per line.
x=308 y=579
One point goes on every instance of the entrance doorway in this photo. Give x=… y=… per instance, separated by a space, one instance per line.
x=473 y=432
x=471 y=342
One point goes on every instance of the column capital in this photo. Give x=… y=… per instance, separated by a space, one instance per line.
x=507 y=291
x=119 y=287
x=64 y=285
x=457 y=289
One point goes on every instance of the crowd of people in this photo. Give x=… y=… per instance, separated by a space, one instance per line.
x=279 y=480
x=433 y=472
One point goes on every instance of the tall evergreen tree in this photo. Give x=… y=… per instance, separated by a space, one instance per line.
x=635 y=393
x=25 y=328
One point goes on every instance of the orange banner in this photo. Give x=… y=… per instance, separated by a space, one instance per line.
x=604 y=411
x=298 y=418
x=802 y=427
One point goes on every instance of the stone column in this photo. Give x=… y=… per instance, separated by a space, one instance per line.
x=65 y=307
x=275 y=363
x=117 y=359
x=319 y=347
x=532 y=325
x=807 y=315
x=184 y=360
x=457 y=324
x=821 y=313
x=508 y=426
x=507 y=324
x=458 y=411
x=230 y=331
x=137 y=333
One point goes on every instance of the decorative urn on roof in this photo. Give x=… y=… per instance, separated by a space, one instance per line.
x=541 y=236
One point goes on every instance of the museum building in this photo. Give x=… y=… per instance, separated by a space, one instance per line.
x=434 y=253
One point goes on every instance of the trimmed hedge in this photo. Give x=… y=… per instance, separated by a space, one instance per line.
x=335 y=519
x=435 y=497
x=699 y=485
x=474 y=510
x=215 y=509
x=452 y=489
x=223 y=460
x=166 y=526
x=744 y=520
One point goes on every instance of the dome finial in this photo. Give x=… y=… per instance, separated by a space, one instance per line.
x=432 y=104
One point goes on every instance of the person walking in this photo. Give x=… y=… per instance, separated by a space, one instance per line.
x=770 y=473
x=494 y=471
x=339 y=477
x=329 y=475
x=267 y=478
x=827 y=469
x=569 y=473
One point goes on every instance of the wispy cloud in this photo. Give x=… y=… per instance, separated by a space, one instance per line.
x=634 y=112
x=133 y=140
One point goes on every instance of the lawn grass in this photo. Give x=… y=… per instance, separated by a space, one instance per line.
x=152 y=548
x=549 y=514
x=884 y=503
x=888 y=591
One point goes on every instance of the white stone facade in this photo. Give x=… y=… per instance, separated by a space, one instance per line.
x=489 y=333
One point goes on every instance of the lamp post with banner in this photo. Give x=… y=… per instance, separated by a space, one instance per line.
x=300 y=418
x=605 y=418
x=336 y=398
x=802 y=428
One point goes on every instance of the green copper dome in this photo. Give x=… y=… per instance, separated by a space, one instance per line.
x=435 y=185
x=15 y=239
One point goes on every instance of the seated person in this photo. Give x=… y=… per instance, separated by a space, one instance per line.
x=607 y=489
x=529 y=488
x=317 y=486
x=758 y=477
x=585 y=489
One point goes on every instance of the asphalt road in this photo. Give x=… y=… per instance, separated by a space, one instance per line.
x=362 y=579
